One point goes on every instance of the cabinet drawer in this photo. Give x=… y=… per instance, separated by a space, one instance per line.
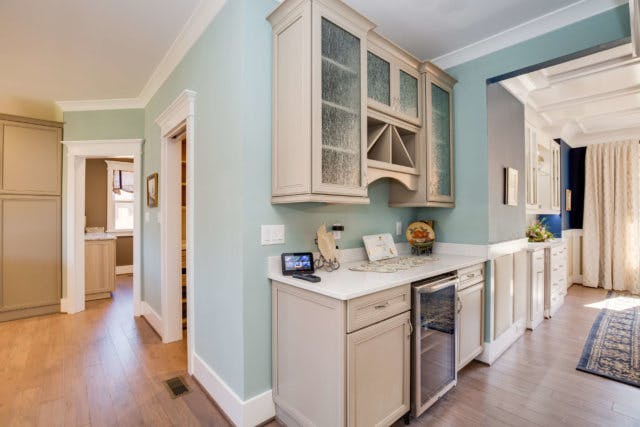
x=557 y=251
x=369 y=309
x=470 y=276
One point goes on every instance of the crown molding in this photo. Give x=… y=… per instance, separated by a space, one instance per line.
x=202 y=16
x=101 y=104
x=197 y=23
x=528 y=30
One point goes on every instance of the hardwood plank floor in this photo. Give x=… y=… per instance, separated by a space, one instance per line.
x=105 y=367
x=101 y=367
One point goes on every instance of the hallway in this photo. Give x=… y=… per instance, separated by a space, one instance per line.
x=98 y=367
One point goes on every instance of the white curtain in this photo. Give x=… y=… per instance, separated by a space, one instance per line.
x=611 y=242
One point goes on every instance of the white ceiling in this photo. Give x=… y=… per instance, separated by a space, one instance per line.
x=588 y=100
x=79 y=49
x=434 y=29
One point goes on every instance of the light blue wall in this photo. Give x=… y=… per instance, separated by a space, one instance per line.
x=104 y=124
x=214 y=69
x=468 y=222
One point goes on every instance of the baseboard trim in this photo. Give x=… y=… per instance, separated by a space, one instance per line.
x=493 y=350
x=247 y=413
x=124 y=269
x=152 y=317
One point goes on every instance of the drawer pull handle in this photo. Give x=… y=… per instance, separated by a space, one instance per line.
x=471 y=275
x=381 y=306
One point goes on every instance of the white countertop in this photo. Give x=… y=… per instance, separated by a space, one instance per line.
x=534 y=246
x=344 y=284
x=99 y=236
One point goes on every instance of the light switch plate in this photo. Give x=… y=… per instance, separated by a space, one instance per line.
x=147 y=216
x=272 y=234
x=398 y=228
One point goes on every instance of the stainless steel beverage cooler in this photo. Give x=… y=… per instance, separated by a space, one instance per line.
x=434 y=341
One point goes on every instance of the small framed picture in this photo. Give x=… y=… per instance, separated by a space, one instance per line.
x=152 y=190
x=510 y=186
x=567 y=200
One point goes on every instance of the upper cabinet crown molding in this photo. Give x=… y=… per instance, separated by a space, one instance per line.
x=438 y=73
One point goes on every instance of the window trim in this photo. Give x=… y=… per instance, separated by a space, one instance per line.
x=111 y=166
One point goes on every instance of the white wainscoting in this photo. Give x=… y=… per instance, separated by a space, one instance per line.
x=573 y=239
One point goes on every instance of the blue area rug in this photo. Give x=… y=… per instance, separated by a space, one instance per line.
x=612 y=349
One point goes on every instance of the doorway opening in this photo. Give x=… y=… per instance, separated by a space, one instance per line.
x=176 y=187
x=89 y=261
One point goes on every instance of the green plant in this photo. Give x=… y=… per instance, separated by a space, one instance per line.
x=537 y=232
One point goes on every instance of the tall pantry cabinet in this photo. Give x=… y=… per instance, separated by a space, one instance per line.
x=30 y=217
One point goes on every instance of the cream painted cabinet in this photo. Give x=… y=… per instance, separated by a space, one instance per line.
x=434 y=146
x=378 y=367
x=99 y=268
x=470 y=315
x=531 y=162
x=341 y=363
x=393 y=81
x=319 y=102
x=555 y=177
x=535 y=288
x=31 y=158
x=30 y=254
x=542 y=164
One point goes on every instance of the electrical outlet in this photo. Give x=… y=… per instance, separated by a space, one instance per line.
x=398 y=228
x=337 y=231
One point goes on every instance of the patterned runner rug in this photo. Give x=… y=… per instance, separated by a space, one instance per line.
x=612 y=349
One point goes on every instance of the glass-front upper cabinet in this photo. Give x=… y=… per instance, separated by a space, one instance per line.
x=319 y=103
x=393 y=80
x=440 y=171
x=341 y=117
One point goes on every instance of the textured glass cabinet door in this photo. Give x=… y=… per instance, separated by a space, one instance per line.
x=440 y=173
x=408 y=102
x=341 y=107
x=378 y=79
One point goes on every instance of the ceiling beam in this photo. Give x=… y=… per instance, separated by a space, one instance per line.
x=568 y=103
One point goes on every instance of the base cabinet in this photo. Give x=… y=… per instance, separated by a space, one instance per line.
x=100 y=268
x=470 y=315
x=377 y=375
x=341 y=363
x=535 y=288
x=555 y=279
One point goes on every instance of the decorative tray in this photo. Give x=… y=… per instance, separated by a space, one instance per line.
x=393 y=265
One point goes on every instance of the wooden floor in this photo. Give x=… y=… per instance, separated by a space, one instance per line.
x=100 y=367
x=103 y=367
x=535 y=382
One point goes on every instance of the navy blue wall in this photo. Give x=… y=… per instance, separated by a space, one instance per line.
x=571 y=177
x=576 y=185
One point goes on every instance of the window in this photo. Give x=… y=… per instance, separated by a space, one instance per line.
x=120 y=185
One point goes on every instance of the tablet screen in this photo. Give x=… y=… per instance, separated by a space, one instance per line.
x=297 y=263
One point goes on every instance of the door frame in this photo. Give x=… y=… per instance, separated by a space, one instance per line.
x=73 y=197
x=181 y=112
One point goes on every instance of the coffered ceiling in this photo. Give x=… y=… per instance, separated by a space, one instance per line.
x=595 y=98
